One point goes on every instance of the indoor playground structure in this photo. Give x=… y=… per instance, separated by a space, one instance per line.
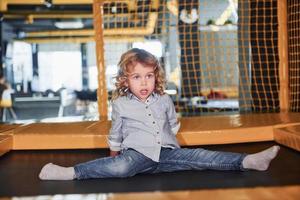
x=234 y=80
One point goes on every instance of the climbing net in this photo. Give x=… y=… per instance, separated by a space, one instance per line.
x=219 y=56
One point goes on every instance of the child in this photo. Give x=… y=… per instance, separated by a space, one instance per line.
x=3 y=85
x=143 y=134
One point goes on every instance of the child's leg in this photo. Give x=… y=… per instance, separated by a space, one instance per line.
x=51 y=171
x=200 y=159
x=261 y=160
x=127 y=164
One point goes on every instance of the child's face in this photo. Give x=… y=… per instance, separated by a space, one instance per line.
x=141 y=81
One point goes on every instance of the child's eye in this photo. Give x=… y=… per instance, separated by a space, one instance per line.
x=136 y=77
x=150 y=76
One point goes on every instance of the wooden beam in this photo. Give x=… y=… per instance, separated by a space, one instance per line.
x=58 y=40
x=25 y=2
x=3 y=5
x=32 y=2
x=283 y=55
x=48 y=16
x=117 y=39
x=65 y=2
x=59 y=33
x=102 y=90
x=58 y=15
x=132 y=4
x=149 y=29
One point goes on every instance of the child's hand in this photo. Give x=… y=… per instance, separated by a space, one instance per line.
x=114 y=153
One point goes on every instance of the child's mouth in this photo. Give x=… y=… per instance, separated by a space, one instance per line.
x=144 y=92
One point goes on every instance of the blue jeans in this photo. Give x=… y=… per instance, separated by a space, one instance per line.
x=131 y=162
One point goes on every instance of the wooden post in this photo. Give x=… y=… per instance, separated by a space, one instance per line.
x=102 y=91
x=3 y=5
x=283 y=55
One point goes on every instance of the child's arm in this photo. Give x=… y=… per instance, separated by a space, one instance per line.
x=115 y=135
x=172 y=117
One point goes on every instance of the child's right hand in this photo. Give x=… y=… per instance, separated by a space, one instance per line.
x=114 y=153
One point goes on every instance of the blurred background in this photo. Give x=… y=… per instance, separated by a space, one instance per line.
x=219 y=55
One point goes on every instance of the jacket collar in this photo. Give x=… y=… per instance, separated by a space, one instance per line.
x=151 y=97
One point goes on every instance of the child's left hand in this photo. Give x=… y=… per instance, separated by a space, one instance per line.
x=114 y=153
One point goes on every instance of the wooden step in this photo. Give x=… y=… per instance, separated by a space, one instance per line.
x=288 y=136
x=6 y=143
x=202 y=130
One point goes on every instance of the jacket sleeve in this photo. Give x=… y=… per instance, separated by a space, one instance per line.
x=172 y=116
x=115 y=134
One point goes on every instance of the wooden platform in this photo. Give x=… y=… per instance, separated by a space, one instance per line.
x=288 y=136
x=7 y=127
x=6 y=143
x=194 y=131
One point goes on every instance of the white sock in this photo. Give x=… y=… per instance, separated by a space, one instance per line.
x=260 y=161
x=54 y=172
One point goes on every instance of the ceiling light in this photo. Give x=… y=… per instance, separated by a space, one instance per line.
x=69 y=24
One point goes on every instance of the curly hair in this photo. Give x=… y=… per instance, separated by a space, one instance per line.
x=128 y=61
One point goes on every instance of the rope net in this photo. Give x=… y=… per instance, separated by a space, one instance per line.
x=294 y=53
x=220 y=57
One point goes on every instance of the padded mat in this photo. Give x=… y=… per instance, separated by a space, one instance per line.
x=19 y=173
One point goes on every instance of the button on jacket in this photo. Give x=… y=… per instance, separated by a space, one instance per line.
x=143 y=126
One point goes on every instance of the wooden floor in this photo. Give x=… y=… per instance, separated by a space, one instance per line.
x=257 y=193
x=288 y=192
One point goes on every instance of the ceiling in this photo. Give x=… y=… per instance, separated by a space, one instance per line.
x=20 y=17
x=38 y=20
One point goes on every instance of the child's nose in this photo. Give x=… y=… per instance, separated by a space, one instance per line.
x=144 y=81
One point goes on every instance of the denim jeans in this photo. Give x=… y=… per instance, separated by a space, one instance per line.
x=131 y=162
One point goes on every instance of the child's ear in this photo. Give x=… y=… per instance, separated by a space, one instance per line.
x=126 y=83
